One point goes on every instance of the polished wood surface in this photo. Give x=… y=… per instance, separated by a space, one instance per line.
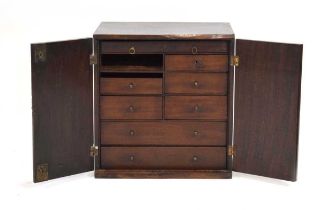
x=267 y=103
x=196 y=83
x=130 y=107
x=196 y=63
x=127 y=86
x=196 y=107
x=174 y=133
x=163 y=157
x=163 y=30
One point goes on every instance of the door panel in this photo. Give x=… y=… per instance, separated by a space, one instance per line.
x=62 y=107
x=267 y=101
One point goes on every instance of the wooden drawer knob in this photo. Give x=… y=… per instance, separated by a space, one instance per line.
x=132 y=50
x=131 y=85
x=131 y=132
x=132 y=157
x=197 y=108
x=131 y=108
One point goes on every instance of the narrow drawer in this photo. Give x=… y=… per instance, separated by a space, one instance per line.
x=131 y=85
x=130 y=107
x=163 y=157
x=196 y=83
x=196 y=107
x=196 y=47
x=131 y=47
x=164 y=133
x=210 y=63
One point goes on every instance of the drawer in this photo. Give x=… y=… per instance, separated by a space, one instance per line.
x=196 y=47
x=164 y=133
x=196 y=107
x=130 y=107
x=196 y=83
x=211 y=63
x=131 y=85
x=131 y=47
x=163 y=157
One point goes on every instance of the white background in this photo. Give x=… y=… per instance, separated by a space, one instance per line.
x=25 y=22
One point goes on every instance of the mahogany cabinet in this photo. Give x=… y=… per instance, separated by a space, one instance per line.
x=165 y=100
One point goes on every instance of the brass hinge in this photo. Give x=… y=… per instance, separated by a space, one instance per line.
x=94 y=150
x=234 y=60
x=93 y=59
x=231 y=151
x=42 y=172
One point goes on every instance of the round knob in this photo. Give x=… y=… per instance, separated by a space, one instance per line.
x=196 y=133
x=131 y=132
x=131 y=157
x=194 y=50
x=196 y=108
x=131 y=85
x=196 y=83
x=131 y=108
x=195 y=158
x=132 y=50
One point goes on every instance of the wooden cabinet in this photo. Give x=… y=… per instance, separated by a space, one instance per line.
x=170 y=100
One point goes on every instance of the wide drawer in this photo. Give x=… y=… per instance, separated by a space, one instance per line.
x=131 y=47
x=131 y=85
x=196 y=83
x=164 y=133
x=163 y=157
x=196 y=107
x=130 y=107
x=210 y=63
x=196 y=47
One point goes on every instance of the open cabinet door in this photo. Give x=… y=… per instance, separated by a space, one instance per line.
x=267 y=101
x=62 y=108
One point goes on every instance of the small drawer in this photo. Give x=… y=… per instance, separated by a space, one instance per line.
x=196 y=83
x=196 y=63
x=169 y=133
x=131 y=85
x=196 y=47
x=131 y=47
x=163 y=157
x=130 y=107
x=196 y=107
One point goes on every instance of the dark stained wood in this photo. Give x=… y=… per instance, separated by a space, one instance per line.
x=62 y=107
x=267 y=104
x=197 y=63
x=164 y=133
x=163 y=157
x=96 y=107
x=196 y=83
x=196 y=107
x=164 y=174
x=130 y=107
x=131 y=86
x=124 y=47
x=196 y=47
x=163 y=31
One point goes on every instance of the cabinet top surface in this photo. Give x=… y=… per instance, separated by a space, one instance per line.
x=163 y=30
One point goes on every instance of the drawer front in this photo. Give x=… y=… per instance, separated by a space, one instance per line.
x=211 y=63
x=130 y=107
x=163 y=157
x=196 y=107
x=196 y=83
x=131 y=86
x=129 y=47
x=196 y=47
x=164 y=133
